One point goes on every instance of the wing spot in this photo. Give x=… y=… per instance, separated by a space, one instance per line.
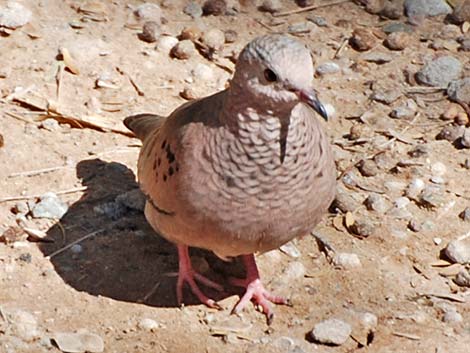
x=164 y=177
x=163 y=144
x=170 y=171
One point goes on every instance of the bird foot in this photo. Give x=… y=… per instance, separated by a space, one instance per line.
x=255 y=291
x=186 y=274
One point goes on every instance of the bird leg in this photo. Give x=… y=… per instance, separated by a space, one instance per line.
x=255 y=290
x=187 y=274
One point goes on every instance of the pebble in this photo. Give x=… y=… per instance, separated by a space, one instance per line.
x=331 y=331
x=392 y=10
x=461 y=12
x=21 y=207
x=465 y=45
x=397 y=27
x=166 y=43
x=424 y=8
x=402 y=202
x=451 y=112
x=368 y=168
x=214 y=7
x=386 y=96
x=347 y=260
x=230 y=36
x=405 y=111
x=271 y=6
x=22 y=324
x=290 y=249
x=149 y=12
x=193 y=9
x=452 y=316
x=112 y=210
x=191 y=33
x=376 y=202
x=362 y=39
x=150 y=32
x=458 y=251
x=49 y=206
x=202 y=72
x=439 y=72
x=148 y=324
x=76 y=249
x=463 y=278
x=461 y=119
x=133 y=199
x=344 y=202
x=414 y=225
x=50 y=124
x=377 y=57
x=465 y=139
x=438 y=169
x=299 y=27
x=327 y=68
x=213 y=38
x=465 y=214
x=397 y=40
x=459 y=90
x=318 y=20
x=14 y=15
x=78 y=342
x=431 y=197
x=183 y=50
x=294 y=270
x=189 y=93
x=363 y=228
x=450 y=133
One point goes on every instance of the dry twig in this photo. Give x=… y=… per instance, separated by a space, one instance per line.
x=310 y=8
x=68 y=246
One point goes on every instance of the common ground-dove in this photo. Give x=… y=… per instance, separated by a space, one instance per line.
x=242 y=171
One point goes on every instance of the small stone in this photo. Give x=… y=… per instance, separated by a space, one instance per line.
x=419 y=151
x=386 y=96
x=377 y=57
x=78 y=342
x=294 y=270
x=397 y=27
x=362 y=229
x=332 y=331
x=166 y=43
x=214 y=39
x=49 y=206
x=191 y=33
x=392 y=10
x=299 y=27
x=403 y=112
x=377 y=203
x=458 y=251
x=14 y=15
x=183 y=50
x=368 y=168
x=451 y=112
x=112 y=210
x=344 y=202
x=50 y=124
x=290 y=249
x=355 y=132
x=133 y=199
x=271 y=6
x=461 y=119
x=347 y=260
x=76 y=248
x=438 y=169
x=431 y=198
x=452 y=316
x=230 y=36
x=193 y=9
x=459 y=90
x=327 y=68
x=463 y=278
x=22 y=324
x=362 y=39
x=214 y=7
x=451 y=133
x=318 y=20
x=148 y=324
x=414 y=225
x=202 y=72
x=303 y=3
x=149 y=12
x=397 y=40
x=465 y=139
x=21 y=207
x=439 y=72
x=25 y=257
x=465 y=214
x=465 y=45
x=150 y=32
x=425 y=8
x=189 y=93
x=461 y=12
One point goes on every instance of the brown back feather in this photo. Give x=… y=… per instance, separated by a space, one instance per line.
x=143 y=124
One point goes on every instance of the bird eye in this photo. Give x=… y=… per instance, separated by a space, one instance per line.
x=270 y=76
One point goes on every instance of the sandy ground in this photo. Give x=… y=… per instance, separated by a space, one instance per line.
x=121 y=275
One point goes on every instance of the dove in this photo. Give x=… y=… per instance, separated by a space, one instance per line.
x=240 y=172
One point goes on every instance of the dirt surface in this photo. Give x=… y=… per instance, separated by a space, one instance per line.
x=122 y=273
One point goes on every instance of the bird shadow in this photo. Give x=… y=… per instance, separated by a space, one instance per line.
x=117 y=254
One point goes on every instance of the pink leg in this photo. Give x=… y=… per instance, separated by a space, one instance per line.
x=187 y=274
x=255 y=290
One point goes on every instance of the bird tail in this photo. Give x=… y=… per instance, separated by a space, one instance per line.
x=143 y=124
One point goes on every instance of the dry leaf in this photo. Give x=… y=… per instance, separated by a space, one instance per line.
x=349 y=219
x=450 y=271
x=69 y=62
x=465 y=26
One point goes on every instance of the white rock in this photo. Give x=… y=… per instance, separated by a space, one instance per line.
x=347 y=260
x=332 y=331
x=294 y=270
x=14 y=15
x=202 y=72
x=78 y=342
x=148 y=324
x=438 y=169
x=166 y=43
x=290 y=249
x=22 y=324
x=330 y=110
x=327 y=68
x=402 y=202
x=459 y=251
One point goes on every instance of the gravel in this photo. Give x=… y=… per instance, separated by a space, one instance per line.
x=463 y=278
x=458 y=251
x=424 y=8
x=327 y=68
x=331 y=332
x=14 y=15
x=347 y=260
x=49 y=206
x=193 y=9
x=439 y=72
x=183 y=50
x=459 y=90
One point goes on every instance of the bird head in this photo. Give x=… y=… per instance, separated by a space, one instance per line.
x=278 y=70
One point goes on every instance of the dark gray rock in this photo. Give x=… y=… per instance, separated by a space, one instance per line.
x=440 y=72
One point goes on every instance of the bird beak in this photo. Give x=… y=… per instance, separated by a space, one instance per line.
x=310 y=97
